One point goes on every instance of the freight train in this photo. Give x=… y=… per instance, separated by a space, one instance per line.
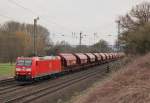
x=33 y=68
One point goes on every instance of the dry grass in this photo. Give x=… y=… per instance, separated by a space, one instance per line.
x=129 y=85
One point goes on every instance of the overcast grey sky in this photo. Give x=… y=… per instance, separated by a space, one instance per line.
x=66 y=16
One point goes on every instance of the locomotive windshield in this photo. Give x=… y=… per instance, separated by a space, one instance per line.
x=23 y=62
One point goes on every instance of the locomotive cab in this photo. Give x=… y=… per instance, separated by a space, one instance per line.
x=23 y=70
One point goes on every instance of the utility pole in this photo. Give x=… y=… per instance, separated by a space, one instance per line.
x=118 y=23
x=34 y=36
x=80 y=38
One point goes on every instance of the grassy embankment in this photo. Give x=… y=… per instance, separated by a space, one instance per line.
x=6 y=69
x=131 y=84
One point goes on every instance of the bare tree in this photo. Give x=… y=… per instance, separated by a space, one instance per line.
x=16 y=39
x=135 y=25
x=138 y=16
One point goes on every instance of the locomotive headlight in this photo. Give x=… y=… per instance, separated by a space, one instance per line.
x=18 y=69
x=28 y=69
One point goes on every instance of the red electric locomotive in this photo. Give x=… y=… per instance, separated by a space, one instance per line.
x=28 y=69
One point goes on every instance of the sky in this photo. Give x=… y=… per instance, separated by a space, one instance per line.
x=62 y=17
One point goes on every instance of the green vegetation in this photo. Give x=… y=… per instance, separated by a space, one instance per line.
x=6 y=69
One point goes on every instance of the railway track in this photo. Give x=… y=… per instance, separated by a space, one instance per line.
x=53 y=88
x=6 y=81
x=25 y=94
x=9 y=89
x=7 y=84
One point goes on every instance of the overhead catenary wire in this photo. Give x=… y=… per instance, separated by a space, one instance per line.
x=33 y=12
x=17 y=4
x=46 y=19
x=5 y=16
